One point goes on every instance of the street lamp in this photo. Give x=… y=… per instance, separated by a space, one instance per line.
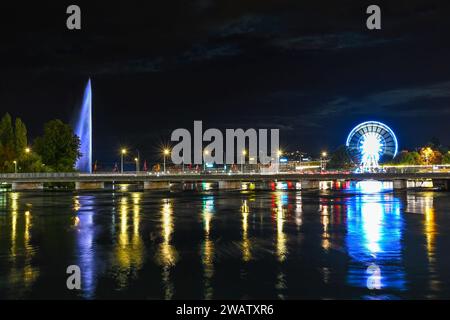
x=206 y=152
x=244 y=153
x=123 y=152
x=27 y=150
x=323 y=160
x=15 y=166
x=166 y=153
x=137 y=164
x=279 y=154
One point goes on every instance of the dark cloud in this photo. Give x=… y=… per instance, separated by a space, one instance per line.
x=404 y=102
x=346 y=40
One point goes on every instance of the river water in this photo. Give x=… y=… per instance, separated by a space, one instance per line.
x=362 y=242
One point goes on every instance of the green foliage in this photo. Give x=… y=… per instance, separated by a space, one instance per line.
x=6 y=131
x=56 y=150
x=31 y=162
x=58 y=147
x=7 y=149
x=13 y=143
x=407 y=158
x=446 y=158
x=340 y=159
x=20 y=137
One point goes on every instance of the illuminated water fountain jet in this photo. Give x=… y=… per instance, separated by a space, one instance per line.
x=83 y=130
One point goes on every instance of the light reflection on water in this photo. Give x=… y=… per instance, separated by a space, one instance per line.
x=207 y=250
x=374 y=234
x=362 y=242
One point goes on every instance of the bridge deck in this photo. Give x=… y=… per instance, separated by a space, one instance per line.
x=145 y=177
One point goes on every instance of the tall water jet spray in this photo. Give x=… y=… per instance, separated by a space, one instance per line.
x=83 y=130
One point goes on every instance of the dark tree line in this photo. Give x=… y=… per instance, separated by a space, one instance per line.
x=57 y=150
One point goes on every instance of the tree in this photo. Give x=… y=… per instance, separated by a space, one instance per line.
x=7 y=150
x=31 y=162
x=6 y=131
x=430 y=156
x=340 y=159
x=446 y=158
x=20 y=137
x=407 y=158
x=59 y=147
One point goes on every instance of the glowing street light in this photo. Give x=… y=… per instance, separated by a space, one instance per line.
x=15 y=166
x=136 y=160
x=244 y=153
x=279 y=154
x=205 y=153
x=27 y=150
x=323 y=160
x=166 y=152
x=123 y=152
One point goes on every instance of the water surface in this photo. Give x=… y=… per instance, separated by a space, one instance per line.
x=366 y=242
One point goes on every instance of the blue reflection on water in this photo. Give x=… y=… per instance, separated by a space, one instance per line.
x=374 y=234
x=85 y=243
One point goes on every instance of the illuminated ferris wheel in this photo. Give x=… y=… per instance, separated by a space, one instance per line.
x=370 y=142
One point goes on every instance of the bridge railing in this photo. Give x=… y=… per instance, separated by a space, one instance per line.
x=39 y=175
x=75 y=175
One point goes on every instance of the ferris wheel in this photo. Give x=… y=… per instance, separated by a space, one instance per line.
x=370 y=142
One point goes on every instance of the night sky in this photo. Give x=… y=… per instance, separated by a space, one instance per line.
x=309 y=68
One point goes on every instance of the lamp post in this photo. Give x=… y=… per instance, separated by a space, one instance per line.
x=15 y=166
x=136 y=160
x=205 y=153
x=123 y=152
x=244 y=153
x=323 y=160
x=279 y=154
x=166 y=153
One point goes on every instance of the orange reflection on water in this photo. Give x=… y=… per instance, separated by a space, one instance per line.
x=325 y=219
x=430 y=235
x=22 y=274
x=208 y=248
x=281 y=247
x=129 y=249
x=246 y=244
x=167 y=255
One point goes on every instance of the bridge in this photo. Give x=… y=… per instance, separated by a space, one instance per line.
x=151 y=181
